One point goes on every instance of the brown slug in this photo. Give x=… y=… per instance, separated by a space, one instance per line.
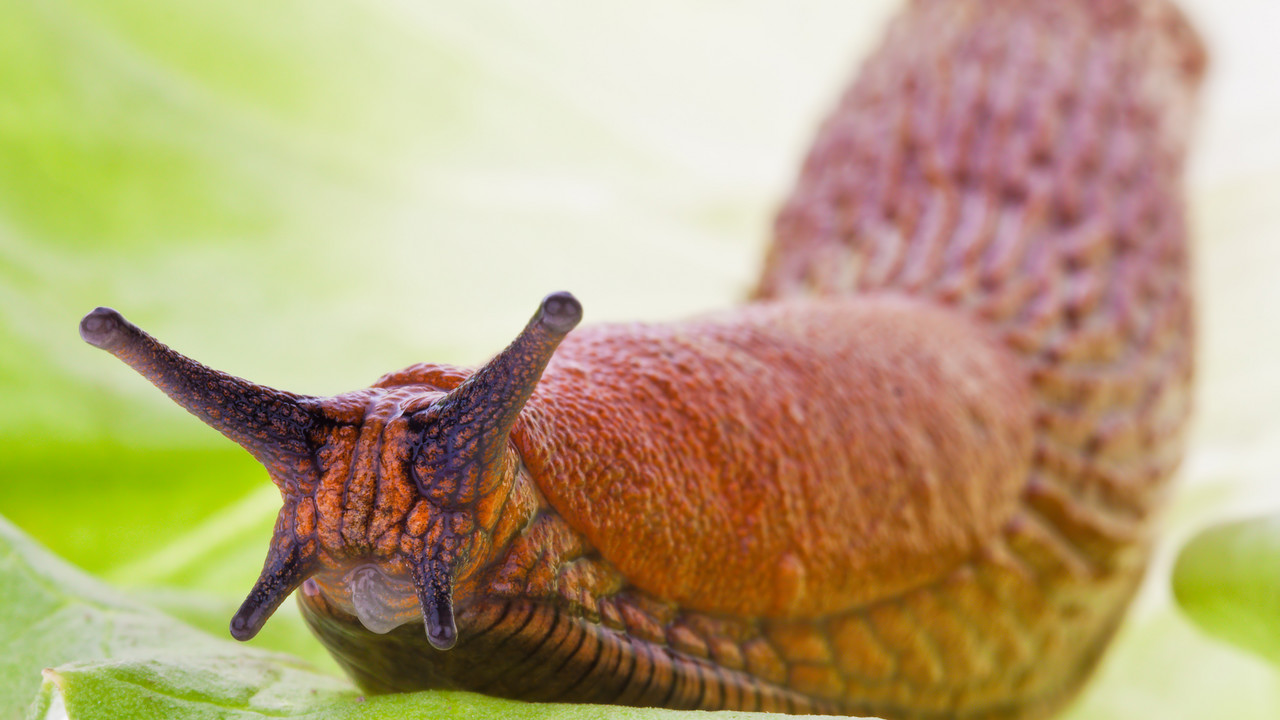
x=914 y=477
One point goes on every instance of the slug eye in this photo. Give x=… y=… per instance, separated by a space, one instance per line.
x=463 y=434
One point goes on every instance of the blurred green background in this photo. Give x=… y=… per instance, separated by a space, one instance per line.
x=312 y=194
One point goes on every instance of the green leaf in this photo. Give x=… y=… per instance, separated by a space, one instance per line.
x=52 y=614
x=181 y=684
x=165 y=688
x=107 y=656
x=1227 y=579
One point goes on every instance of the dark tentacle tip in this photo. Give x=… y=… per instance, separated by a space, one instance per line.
x=442 y=636
x=560 y=312
x=103 y=327
x=244 y=626
x=442 y=630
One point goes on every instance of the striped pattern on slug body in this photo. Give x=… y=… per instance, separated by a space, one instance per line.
x=913 y=478
x=1022 y=161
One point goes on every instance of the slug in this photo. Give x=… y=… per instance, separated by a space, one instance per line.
x=914 y=477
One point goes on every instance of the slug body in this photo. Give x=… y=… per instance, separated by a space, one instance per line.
x=913 y=478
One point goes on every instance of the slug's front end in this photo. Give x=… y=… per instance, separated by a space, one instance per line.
x=393 y=495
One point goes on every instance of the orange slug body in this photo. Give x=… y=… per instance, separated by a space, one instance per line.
x=914 y=478
x=782 y=454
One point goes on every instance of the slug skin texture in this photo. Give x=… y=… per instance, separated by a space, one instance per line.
x=914 y=477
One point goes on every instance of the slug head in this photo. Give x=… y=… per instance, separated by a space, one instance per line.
x=380 y=486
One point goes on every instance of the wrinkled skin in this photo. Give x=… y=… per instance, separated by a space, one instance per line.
x=914 y=477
